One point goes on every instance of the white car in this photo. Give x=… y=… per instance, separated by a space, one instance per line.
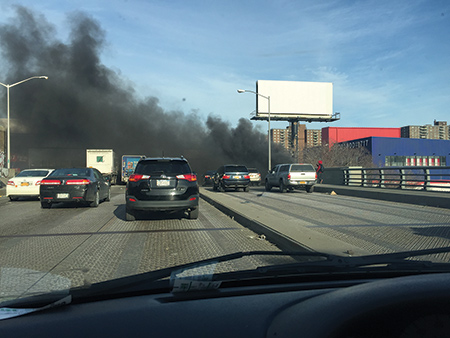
x=26 y=183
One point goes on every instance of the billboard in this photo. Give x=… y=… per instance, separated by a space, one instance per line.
x=294 y=99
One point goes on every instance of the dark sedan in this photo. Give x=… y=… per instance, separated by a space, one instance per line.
x=208 y=177
x=82 y=185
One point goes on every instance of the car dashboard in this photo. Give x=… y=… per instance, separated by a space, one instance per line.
x=411 y=306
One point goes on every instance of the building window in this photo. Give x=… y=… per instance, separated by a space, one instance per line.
x=415 y=161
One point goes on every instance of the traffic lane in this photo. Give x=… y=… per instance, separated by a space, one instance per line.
x=344 y=224
x=88 y=245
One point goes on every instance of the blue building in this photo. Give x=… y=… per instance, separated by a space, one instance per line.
x=391 y=151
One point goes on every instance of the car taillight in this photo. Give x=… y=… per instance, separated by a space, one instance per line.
x=188 y=177
x=316 y=176
x=50 y=182
x=38 y=182
x=83 y=181
x=289 y=176
x=247 y=177
x=138 y=177
x=11 y=183
x=226 y=176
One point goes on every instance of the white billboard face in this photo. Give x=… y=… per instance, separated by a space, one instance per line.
x=295 y=99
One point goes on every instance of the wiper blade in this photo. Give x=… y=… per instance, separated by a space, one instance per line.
x=326 y=262
x=347 y=263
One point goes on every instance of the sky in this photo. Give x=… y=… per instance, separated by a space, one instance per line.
x=389 y=61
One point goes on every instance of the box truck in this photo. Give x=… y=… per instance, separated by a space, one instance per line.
x=104 y=160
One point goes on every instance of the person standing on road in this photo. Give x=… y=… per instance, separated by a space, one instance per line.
x=319 y=172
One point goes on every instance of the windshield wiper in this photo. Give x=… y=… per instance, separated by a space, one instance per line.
x=325 y=263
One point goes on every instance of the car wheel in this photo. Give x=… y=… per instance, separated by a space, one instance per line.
x=282 y=187
x=268 y=186
x=46 y=205
x=221 y=188
x=129 y=215
x=214 y=187
x=96 y=200
x=310 y=188
x=193 y=213
x=108 y=196
x=246 y=189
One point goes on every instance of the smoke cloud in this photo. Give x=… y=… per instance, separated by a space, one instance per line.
x=84 y=104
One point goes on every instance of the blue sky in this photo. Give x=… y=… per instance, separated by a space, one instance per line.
x=389 y=61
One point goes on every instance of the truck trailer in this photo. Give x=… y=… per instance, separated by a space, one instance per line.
x=128 y=165
x=104 y=160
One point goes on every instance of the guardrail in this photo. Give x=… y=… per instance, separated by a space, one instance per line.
x=417 y=178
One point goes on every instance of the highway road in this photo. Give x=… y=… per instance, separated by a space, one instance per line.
x=342 y=224
x=88 y=245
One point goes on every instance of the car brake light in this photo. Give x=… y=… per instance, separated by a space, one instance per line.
x=50 y=182
x=11 y=183
x=247 y=177
x=83 y=181
x=138 y=177
x=316 y=176
x=226 y=176
x=188 y=177
x=38 y=182
x=289 y=176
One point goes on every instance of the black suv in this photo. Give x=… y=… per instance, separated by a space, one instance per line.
x=231 y=176
x=162 y=184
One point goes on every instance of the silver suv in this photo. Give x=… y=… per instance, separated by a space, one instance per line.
x=291 y=176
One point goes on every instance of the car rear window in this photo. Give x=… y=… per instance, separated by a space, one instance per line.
x=33 y=173
x=236 y=168
x=302 y=167
x=162 y=167
x=71 y=172
x=252 y=170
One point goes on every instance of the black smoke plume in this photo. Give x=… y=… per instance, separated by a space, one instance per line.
x=84 y=104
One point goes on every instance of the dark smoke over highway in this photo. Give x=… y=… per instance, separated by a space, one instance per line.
x=84 y=104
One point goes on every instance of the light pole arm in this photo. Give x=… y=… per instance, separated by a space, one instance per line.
x=240 y=91
x=7 y=109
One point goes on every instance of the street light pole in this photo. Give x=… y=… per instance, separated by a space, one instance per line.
x=7 y=109
x=240 y=91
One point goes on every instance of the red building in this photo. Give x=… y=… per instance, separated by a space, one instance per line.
x=332 y=135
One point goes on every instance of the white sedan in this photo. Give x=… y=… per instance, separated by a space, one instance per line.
x=26 y=183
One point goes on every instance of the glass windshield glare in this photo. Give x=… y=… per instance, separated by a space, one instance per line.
x=183 y=132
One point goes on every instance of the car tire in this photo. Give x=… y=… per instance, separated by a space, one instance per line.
x=282 y=187
x=310 y=188
x=246 y=189
x=13 y=198
x=221 y=188
x=268 y=186
x=96 y=201
x=129 y=215
x=46 y=205
x=193 y=213
x=108 y=196
x=214 y=187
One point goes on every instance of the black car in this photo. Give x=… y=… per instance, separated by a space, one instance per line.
x=82 y=185
x=162 y=184
x=232 y=176
x=208 y=177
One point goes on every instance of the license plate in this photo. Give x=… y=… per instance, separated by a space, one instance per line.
x=64 y=195
x=162 y=183
x=24 y=184
x=237 y=177
x=302 y=182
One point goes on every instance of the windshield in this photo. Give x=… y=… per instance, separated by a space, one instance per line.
x=338 y=109
x=33 y=173
x=70 y=172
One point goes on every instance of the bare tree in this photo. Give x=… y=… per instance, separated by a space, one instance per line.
x=338 y=156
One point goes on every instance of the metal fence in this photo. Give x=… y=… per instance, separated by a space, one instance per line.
x=418 y=178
